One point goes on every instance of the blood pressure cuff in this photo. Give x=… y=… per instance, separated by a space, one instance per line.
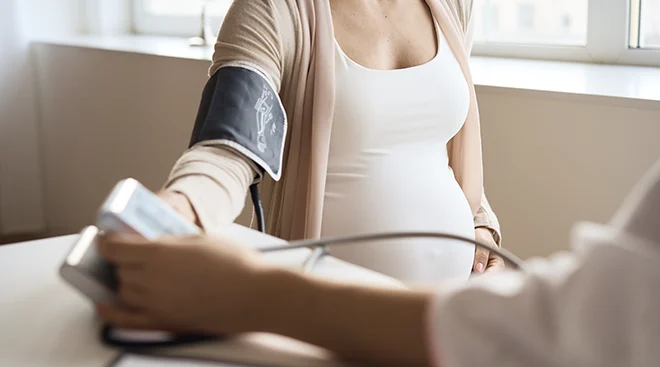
x=240 y=109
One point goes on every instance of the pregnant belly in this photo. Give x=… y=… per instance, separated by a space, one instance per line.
x=391 y=195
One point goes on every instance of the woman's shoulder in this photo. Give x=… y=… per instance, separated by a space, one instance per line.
x=260 y=33
x=269 y=18
x=281 y=9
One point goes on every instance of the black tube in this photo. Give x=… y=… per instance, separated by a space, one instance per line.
x=258 y=208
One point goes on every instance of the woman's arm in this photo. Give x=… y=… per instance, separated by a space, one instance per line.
x=209 y=183
x=595 y=307
x=485 y=218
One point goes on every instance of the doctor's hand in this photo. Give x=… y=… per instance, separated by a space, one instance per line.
x=484 y=260
x=180 y=284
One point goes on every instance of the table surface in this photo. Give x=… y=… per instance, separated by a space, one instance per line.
x=45 y=322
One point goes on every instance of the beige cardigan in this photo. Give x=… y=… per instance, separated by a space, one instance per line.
x=291 y=41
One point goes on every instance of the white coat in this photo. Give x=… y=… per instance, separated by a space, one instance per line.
x=596 y=306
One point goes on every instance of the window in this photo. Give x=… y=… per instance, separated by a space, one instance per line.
x=558 y=22
x=526 y=19
x=178 y=7
x=649 y=24
x=572 y=30
x=600 y=31
x=177 y=17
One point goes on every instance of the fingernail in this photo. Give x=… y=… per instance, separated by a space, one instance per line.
x=480 y=268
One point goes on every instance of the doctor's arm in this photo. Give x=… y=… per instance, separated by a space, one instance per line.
x=194 y=285
x=594 y=306
x=572 y=310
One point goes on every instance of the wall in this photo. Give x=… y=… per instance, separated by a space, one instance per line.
x=107 y=116
x=20 y=181
x=21 y=191
x=550 y=161
x=21 y=195
x=48 y=18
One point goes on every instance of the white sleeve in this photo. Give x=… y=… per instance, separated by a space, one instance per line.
x=599 y=306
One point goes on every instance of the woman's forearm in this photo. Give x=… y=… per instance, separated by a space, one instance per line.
x=215 y=181
x=368 y=325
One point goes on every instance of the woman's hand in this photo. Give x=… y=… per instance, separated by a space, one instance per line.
x=186 y=284
x=485 y=260
x=181 y=204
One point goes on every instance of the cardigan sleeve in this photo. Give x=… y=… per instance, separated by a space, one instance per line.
x=256 y=35
x=215 y=180
x=469 y=30
x=485 y=216
x=463 y=11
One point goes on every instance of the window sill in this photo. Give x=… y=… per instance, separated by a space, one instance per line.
x=612 y=83
x=571 y=79
x=173 y=47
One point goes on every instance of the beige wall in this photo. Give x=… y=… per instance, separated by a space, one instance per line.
x=549 y=160
x=107 y=116
x=21 y=204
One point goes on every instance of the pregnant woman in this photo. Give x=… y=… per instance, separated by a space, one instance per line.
x=355 y=117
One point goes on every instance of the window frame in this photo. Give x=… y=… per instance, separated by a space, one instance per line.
x=608 y=40
x=145 y=23
x=608 y=36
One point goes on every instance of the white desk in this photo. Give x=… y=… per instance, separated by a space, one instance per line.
x=44 y=322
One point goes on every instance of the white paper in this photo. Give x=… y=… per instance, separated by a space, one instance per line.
x=136 y=360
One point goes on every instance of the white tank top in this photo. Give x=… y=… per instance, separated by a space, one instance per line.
x=388 y=167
